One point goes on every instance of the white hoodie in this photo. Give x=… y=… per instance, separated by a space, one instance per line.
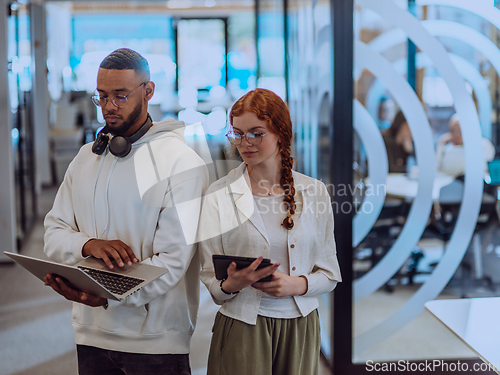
x=150 y=200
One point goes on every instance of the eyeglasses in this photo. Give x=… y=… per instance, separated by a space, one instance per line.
x=118 y=101
x=251 y=137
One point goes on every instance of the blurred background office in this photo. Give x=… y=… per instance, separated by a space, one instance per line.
x=407 y=231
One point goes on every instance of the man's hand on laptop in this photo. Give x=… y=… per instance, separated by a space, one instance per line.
x=110 y=250
x=71 y=294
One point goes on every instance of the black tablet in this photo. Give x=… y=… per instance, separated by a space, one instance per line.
x=222 y=262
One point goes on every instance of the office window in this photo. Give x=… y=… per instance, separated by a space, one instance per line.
x=271 y=46
x=241 y=59
x=95 y=36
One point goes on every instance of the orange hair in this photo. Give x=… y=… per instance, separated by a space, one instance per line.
x=271 y=108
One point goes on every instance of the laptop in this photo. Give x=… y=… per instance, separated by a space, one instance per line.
x=93 y=276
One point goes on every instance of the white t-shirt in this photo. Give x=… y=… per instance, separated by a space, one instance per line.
x=273 y=211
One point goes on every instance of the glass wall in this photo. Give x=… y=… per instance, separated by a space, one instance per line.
x=424 y=191
x=310 y=85
x=271 y=46
x=20 y=85
x=436 y=207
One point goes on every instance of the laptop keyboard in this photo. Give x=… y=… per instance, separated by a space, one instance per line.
x=115 y=283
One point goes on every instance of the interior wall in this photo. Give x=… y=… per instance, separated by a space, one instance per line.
x=40 y=96
x=7 y=211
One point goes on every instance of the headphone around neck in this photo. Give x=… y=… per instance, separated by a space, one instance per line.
x=119 y=145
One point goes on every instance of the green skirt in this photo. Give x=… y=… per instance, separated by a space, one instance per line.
x=271 y=347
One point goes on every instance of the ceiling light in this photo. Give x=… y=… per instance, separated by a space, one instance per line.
x=178 y=4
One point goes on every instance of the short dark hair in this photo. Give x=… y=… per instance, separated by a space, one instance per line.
x=125 y=58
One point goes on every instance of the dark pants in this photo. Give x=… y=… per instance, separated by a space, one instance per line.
x=96 y=361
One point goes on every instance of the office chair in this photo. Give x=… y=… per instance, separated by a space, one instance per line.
x=444 y=221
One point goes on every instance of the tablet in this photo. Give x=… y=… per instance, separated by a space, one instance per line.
x=222 y=262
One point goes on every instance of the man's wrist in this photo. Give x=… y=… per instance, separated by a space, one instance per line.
x=86 y=252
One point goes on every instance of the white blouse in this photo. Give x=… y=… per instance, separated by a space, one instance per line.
x=231 y=224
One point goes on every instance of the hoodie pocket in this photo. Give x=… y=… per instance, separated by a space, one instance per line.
x=119 y=320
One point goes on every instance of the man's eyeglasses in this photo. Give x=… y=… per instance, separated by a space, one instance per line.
x=251 y=137
x=118 y=101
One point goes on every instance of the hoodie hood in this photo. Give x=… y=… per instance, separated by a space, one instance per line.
x=164 y=128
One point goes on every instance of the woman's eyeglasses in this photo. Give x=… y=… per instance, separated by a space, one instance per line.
x=251 y=137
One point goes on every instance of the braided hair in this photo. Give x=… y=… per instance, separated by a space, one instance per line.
x=271 y=108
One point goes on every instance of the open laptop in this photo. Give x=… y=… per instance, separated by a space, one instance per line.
x=92 y=276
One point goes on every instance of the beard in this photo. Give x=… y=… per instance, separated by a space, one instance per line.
x=127 y=123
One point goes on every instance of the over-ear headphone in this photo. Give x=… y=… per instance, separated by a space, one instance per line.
x=119 y=145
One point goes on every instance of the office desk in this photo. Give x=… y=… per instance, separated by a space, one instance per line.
x=400 y=186
x=476 y=321
x=445 y=189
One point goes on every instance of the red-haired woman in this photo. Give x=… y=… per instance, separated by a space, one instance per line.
x=264 y=209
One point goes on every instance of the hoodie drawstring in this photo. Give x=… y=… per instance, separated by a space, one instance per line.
x=107 y=193
x=93 y=194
